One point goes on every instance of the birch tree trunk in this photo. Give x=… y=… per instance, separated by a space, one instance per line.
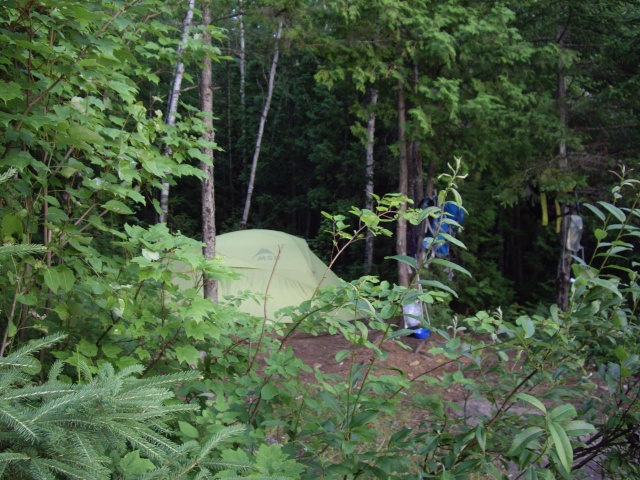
x=263 y=121
x=369 y=167
x=404 y=271
x=208 y=198
x=172 y=108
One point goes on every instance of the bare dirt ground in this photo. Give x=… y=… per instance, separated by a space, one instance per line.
x=320 y=352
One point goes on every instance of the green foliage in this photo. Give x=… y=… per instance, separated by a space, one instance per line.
x=108 y=425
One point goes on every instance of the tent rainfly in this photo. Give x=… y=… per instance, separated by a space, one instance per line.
x=276 y=263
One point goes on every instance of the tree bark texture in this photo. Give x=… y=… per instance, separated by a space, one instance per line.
x=404 y=271
x=172 y=108
x=263 y=121
x=208 y=198
x=563 y=283
x=369 y=170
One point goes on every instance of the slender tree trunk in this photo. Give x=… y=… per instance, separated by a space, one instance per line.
x=369 y=167
x=563 y=283
x=173 y=106
x=243 y=133
x=404 y=271
x=208 y=198
x=263 y=121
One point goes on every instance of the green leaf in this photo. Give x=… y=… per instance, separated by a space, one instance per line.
x=341 y=355
x=562 y=444
x=332 y=402
x=596 y=211
x=87 y=348
x=59 y=277
x=188 y=430
x=80 y=134
x=575 y=428
x=362 y=418
x=188 y=354
x=523 y=439
x=451 y=265
x=11 y=224
x=527 y=325
x=268 y=391
x=599 y=234
x=117 y=207
x=9 y=91
x=132 y=464
x=613 y=210
x=525 y=397
x=562 y=412
x=405 y=259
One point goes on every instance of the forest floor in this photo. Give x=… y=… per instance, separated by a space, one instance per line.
x=414 y=359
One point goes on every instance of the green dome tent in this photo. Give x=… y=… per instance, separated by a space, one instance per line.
x=256 y=255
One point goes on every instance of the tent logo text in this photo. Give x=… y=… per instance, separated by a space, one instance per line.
x=264 y=255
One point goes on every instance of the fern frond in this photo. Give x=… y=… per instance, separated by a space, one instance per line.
x=19 y=250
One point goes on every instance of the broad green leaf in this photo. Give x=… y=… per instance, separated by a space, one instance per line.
x=562 y=412
x=110 y=350
x=600 y=234
x=188 y=430
x=188 y=354
x=575 y=428
x=527 y=325
x=117 y=207
x=87 y=348
x=596 y=211
x=562 y=444
x=268 y=391
x=613 y=210
x=132 y=464
x=80 y=134
x=11 y=224
x=525 y=397
x=9 y=91
x=363 y=418
x=52 y=279
x=523 y=439
x=612 y=287
x=342 y=354
x=451 y=265
x=332 y=402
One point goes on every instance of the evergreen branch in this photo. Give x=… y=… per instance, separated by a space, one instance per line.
x=12 y=418
x=218 y=438
x=27 y=393
x=55 y=405
x=12 y=457
x=7 y=175
x=20 y=250
x=17 y=358
x=169 y=379
x=66 y=469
